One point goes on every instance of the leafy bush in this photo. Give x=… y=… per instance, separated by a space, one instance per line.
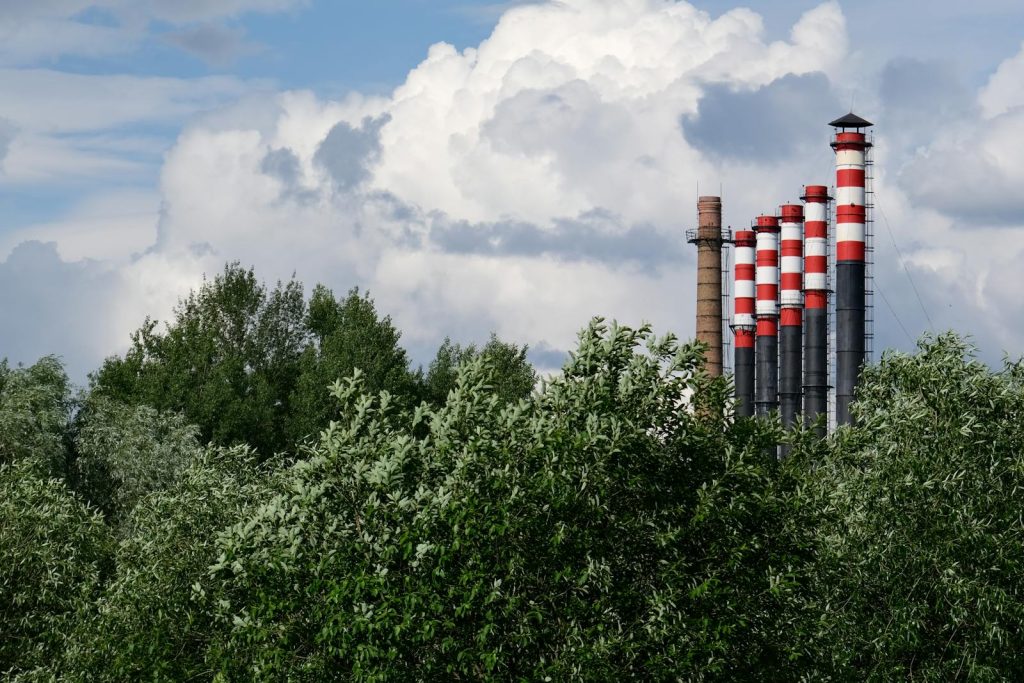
x=512 y=375
x=53 y=554
x=35 y=406
x=150 y=622
x=921 y=570
x=123 y=452
x=614 y=523
x=600 y=530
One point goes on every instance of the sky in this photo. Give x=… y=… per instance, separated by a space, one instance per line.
x=514 y=167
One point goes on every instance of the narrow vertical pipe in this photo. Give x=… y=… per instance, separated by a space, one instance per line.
x=816 y=292
x=851 y=215
x=709 y=280
x=791 y=302
x=767 y=310
x=743 y=322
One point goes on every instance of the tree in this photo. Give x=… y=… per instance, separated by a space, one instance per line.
x=35 y=407
x=124 y=452
x=54 y=553
x=612 y=523
x=152 y=622
x=600 y=530
x=514 y=377
x=54 y=550
x=228 y=361
x=251 y=366
x=922 y=545
x=348 y=334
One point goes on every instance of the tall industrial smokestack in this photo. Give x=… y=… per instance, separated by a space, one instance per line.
x=791 y=302
x=816 y=304
x=767 y=346
x=743 y=322
x=708 y=238
x=850 y=144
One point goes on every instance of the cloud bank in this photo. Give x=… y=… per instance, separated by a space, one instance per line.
x=527 y=183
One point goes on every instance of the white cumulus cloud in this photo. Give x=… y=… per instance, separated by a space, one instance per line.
x=458 y=199
x=521 y=185
x=973 y=170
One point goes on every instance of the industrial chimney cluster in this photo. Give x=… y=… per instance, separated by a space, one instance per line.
x=781 y=289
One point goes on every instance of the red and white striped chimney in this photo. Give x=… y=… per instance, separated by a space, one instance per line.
x=850 y=196
x=744 y=323
x=816 y=303
x=851 y=148
x=767 y=311
x=816 y=246
x=791 y=301
x=791 y=297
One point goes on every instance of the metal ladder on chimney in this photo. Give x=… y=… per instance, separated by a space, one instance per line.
x=869 y=252
x=727 y=358
x=830 y=337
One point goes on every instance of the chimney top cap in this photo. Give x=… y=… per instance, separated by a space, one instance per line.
x=851 y=120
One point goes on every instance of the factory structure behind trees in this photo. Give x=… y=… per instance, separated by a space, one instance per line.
x=798 y=345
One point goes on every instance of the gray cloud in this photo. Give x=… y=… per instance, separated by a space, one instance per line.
x=923 y=90
x=972 y=177
x=918 y=97
x=977 y=193
x=213 y=43
x=968 y=170
x=946 y=303
x=7 y=132
x=191 y=10
x=546 y=357
x=346 y=153
x=282 y=164
x=776 y=121
x=162 y=10
x=45 y=30
x=568 y=120
x=593 y=236
x=59 y=307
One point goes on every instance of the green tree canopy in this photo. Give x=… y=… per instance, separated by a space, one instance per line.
x=151 y=621
x=251 y=365
x=123 y=452
x=514 y=378
x=53 y=554
x=346 y=334
x=228 y=360
x=600 y=530
x=921 y=569
x=35 y=408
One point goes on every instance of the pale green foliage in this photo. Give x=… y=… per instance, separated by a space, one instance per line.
x=53 y=551
x=151 y=623
x=123 y=452
x=599 y=530
x=921 y=572
x=35 y=405
x=613 y=524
